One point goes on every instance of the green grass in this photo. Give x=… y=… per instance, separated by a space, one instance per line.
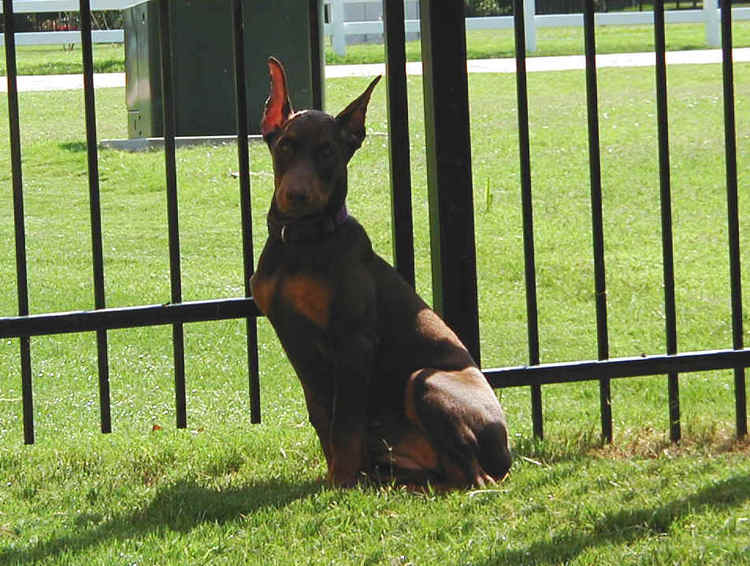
x=481 y=44
x=486 y=44
x=228 y=492
x=61 y=60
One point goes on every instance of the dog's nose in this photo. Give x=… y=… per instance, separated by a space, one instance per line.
x=296 y=195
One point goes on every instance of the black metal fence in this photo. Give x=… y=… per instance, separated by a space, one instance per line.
x=450 y=191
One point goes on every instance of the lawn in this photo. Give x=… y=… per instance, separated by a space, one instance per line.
x=551 y=41
x=228 y=492
x=480 y=44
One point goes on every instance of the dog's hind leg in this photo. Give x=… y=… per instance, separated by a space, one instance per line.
x=400 y=452
x=459 y=413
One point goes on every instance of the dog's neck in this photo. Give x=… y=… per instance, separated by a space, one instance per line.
x=308 y=229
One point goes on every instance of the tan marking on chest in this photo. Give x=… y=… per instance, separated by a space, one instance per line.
x=263 y=290
x=308 y=296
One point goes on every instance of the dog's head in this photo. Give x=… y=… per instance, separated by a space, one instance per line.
x=310 y=149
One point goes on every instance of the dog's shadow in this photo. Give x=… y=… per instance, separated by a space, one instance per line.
x=181 y=506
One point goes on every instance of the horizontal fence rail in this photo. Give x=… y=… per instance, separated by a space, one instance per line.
x=569 y=372
x=127 y=317
x=444 y=48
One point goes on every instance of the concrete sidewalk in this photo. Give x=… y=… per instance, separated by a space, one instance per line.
x=533 y=64
x=564 y=63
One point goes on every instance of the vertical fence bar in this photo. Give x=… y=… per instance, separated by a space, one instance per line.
x=167 y=83
x=448 y=147
x=317 y=57
x=735 y=272
x=96 y=216
x=532 y=323
x=597 y=221
x=243 y=156
x=666 y=215
x=27 y=393
x=398 y=138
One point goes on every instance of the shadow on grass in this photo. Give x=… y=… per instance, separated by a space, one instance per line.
x=630 y=525
x=182 y=507
x=74 y=147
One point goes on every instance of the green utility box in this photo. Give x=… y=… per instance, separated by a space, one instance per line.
x=203 y=64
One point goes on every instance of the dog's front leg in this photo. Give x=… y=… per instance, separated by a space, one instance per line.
x=348 y=435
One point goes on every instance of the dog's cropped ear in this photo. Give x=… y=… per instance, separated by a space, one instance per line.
x=351 y=120
x=278 y=106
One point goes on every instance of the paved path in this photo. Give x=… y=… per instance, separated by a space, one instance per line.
x=565 y=63
x=533 y=64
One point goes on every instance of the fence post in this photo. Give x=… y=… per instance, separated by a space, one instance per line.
x=398 y=138
x=735 y=268
x=597 y=215
x=19 y=223
x=449 y=183
x=170 y=166
x=95 y=213
x=338 y=35
x=529 y=261
x=711 y=19
x=529 y=8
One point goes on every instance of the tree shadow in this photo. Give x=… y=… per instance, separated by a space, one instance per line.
x=629 y=525
x=181 y=506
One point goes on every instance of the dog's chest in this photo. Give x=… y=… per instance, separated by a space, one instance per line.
x=304 y=294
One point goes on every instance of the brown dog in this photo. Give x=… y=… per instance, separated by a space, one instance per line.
x=390 y=389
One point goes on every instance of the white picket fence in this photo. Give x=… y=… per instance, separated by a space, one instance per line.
x=338 y=29
x=65 y=37
x=41 y=6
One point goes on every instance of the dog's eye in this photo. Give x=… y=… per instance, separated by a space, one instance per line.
x=286 y=146
x=325 y=152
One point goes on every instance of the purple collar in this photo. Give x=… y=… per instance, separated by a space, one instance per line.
x=341 y=215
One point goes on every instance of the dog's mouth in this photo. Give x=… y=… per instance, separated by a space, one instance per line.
x=338 y=216
x=300 y=212
x=304 y=217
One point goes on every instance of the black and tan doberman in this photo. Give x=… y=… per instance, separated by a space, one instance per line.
x=390 y=389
